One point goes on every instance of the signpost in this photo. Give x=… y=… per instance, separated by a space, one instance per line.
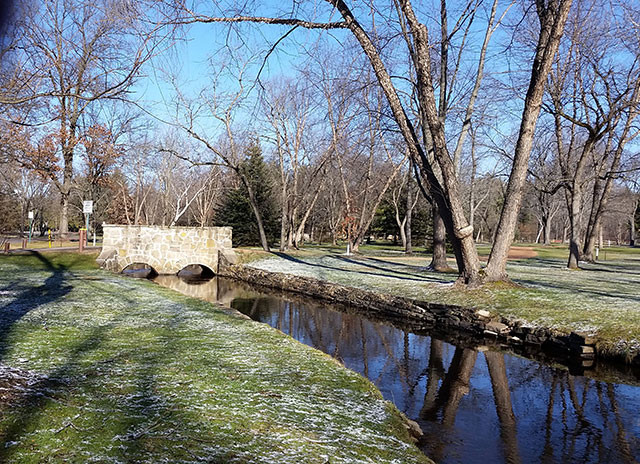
x=30 y=224
x=87 y=209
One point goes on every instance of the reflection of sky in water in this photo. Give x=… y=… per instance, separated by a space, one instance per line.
x=473 y=406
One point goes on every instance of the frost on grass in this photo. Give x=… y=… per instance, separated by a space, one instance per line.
x=121 y=370
x=602 y=298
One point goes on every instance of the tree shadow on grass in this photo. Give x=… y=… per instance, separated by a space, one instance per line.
x=52 y=289
x=431 y=276
x=386 y=272
x=110 y=409
x=632 y=269
x=575 y=288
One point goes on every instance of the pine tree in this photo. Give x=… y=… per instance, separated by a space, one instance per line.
x=236 y=210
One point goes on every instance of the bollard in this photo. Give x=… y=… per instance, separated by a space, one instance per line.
x=81 y=242
x=24 y=243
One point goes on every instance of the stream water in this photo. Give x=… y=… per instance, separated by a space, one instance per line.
x=473 y=405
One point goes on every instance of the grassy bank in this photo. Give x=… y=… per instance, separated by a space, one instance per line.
x=98 y=367
x=601 y=298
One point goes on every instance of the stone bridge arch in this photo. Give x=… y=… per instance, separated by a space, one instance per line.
x=165 y=249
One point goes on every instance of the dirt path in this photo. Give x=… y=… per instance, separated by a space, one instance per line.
x=522 y=253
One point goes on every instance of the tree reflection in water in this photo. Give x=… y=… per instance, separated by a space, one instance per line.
x=505 y=409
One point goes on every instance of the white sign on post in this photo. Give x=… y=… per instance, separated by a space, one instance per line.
x=30 y=214
x=87 y=206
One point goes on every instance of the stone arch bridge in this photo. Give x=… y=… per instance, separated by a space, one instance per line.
x=166 y=249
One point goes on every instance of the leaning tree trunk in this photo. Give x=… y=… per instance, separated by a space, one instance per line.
x=448 y=197
x=552 y=21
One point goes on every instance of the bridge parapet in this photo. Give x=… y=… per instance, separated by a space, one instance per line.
x=166 y=249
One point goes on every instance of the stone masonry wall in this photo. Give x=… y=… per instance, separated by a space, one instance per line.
x=166 y=249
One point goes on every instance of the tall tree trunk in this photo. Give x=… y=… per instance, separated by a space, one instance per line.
x=283 y=220
x=402 y=229
x=65 y=187
x=574 y=228
x=547 y=229
x=632 y=232
x=552 y=20
x=408 y=249
x=64 y=215
x=591 y=239
x=256 y=211
x=300 y=230
x=439 y=256
x=600 y=237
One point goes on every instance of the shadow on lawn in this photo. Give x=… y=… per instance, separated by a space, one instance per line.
x=576 y=288
x=632 y=269
x=52 y=289
x=112 y=408
x=385 y=271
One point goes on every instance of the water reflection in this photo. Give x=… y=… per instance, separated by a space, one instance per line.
x=473 y=405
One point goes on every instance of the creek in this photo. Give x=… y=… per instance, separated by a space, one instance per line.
x=475 y=404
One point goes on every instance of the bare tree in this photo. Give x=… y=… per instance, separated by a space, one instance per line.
x=74 y=55
x=440 y=172
x=594 y=102
x=217 y=106
x=302 y=163
x=209 y=184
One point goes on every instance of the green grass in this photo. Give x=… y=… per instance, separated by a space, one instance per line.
x=601 y=299
x=109 y=369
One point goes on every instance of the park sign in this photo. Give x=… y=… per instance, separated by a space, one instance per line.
x=87 y=206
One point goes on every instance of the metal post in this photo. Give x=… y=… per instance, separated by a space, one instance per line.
x=87 y=230
x=49 y=238
x=30 y=224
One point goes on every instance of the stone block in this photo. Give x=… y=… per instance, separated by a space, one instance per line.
x=483 y=313
x=497 y=327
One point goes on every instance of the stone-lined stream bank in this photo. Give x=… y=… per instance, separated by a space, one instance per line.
x=579 y=350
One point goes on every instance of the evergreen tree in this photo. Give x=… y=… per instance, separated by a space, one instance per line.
x=236 y=210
